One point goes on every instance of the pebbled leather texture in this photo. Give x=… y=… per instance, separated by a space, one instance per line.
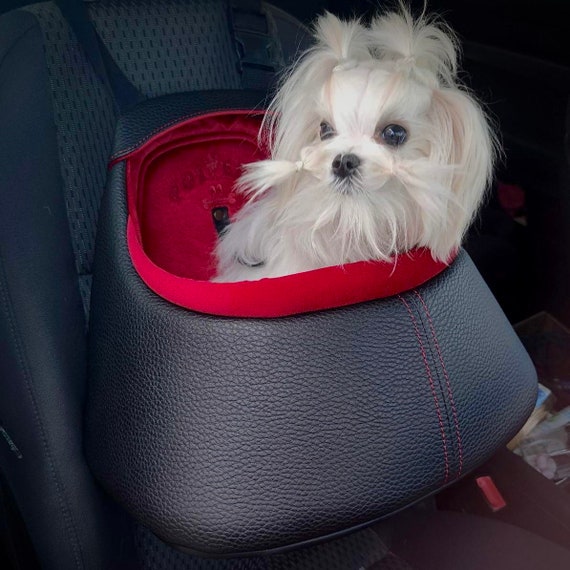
x=154 y=115
x=233 y=436
x=366 y=549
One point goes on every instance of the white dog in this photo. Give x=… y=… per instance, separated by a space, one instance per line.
x=375 y=149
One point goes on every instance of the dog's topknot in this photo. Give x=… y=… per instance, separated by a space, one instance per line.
x=343 y=41
x=425 y=47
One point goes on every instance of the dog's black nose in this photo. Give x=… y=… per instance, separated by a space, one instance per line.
x=344 y=165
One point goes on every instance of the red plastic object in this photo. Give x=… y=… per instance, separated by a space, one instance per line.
x=491 y=494
x=511 y=198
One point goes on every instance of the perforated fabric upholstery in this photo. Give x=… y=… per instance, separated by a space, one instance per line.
x=163 y=46
x=85 y=291
x=155 y=555
x=391 y=562
x=168 y=46
x=85 y=120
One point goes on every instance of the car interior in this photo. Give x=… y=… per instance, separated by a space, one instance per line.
x=137 y=434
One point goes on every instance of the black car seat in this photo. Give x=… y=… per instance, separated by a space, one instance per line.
x=57 y=119
x=58 y=122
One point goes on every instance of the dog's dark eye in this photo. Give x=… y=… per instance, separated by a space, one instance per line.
x=326 y=131
x=394 y=135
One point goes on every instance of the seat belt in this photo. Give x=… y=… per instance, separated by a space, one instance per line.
x=257 y=48
x=125 y=94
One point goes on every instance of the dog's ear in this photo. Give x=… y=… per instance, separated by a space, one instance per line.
x=462 y=139
x=424 y=48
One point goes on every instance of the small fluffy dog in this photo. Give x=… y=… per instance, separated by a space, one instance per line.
x=375 y=149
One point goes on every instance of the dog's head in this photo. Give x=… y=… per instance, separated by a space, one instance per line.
x=391 y=151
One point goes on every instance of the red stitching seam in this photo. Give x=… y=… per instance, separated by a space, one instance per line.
x=432 y=387
x=447 y=382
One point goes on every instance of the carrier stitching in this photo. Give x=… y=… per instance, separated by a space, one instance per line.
x=447 y=382
x=432 y=387
x=438 y=381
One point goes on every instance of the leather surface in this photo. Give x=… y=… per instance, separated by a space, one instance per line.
x=231 y=436
x=154 y=115
x=359 y=550
x=42 y=327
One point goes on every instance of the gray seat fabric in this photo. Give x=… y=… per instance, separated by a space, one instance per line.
x=85 y=119
x=164 y=46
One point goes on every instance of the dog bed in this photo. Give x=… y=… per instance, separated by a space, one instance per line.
x=182 y=179
x=237 y=418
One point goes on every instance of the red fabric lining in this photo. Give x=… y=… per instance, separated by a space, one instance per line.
x=177 y=177
x=173 y=182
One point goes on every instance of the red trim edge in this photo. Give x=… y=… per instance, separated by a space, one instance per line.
x=325 y=288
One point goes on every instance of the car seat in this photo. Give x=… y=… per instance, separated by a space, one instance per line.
x=57 y=118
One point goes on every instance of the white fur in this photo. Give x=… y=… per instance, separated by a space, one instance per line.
x=422 y=194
